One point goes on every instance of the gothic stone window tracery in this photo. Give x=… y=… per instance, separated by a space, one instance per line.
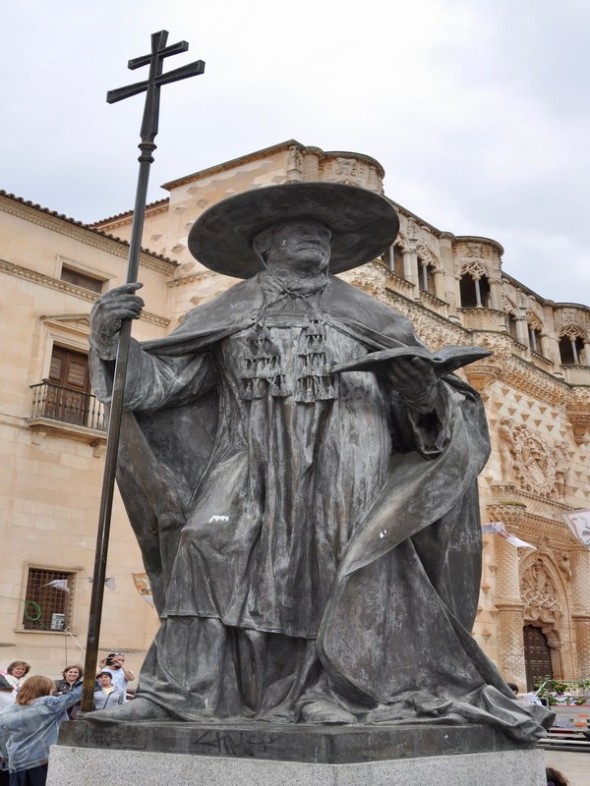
x=394 y=259
x=539 y=595
x=571 y=346
x=403 y=242
x=511 y=321
x=474 y=285
x=535 y=330
x=428 y=265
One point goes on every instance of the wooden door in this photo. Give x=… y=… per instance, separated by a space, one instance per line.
x=68 y=399
x=537 y=654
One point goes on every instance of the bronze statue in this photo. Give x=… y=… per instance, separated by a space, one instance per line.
x=309 y=522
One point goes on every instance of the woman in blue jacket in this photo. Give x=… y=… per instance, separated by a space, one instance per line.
x=30 y=726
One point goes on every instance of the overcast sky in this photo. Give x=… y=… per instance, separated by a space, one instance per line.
x=479 y=110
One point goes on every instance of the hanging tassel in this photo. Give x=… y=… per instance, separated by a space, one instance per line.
x=262 y=368
x=314 y=382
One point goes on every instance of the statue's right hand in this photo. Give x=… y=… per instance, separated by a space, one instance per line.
x=107 y=315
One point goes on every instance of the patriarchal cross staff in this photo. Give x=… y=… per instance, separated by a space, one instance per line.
x=149 y=129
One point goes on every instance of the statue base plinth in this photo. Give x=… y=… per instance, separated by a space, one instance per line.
x=259 y=754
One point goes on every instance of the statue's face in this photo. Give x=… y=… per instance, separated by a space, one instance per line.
x=303 y=244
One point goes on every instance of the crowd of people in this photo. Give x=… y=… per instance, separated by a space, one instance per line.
x=32 y=707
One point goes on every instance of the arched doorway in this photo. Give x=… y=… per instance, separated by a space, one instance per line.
x=537 y=656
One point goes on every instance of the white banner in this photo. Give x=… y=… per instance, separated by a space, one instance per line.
x=579 y=524
x=499 y=528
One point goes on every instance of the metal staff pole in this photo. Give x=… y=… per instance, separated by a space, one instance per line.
x=149 y=129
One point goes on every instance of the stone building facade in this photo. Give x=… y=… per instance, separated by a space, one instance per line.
x=52 y=441
x=534 y=614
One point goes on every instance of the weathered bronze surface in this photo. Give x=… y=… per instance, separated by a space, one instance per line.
x=319 y=744
x=312 y=536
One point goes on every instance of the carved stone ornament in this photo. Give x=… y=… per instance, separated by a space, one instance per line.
x=427 y=256
x=476 y=270
x=552 y=635
x=474 y=250
x=402 y=242
x=346 y=170
x=295 y=164
x=565 y=566
x=527 y=459
x=539 y=595
x=572 y=331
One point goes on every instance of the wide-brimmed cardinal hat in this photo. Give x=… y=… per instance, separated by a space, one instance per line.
x=363 y=225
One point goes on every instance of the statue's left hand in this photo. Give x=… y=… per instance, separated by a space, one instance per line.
x=415 y=381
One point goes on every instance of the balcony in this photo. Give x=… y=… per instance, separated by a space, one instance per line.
x=483 y=318
x=434 y=303
x=576 y=374
x=67 y=412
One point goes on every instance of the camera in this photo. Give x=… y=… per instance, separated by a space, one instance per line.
x=109 y=660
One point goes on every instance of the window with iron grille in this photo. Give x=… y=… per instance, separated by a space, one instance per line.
x=48 y=599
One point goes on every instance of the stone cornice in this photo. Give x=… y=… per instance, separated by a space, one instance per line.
x=534 y=521
x=232 y=163
x=509 y=495
x=122 y=219
x=202 y=275
x=55 y=428
x=46 y=281
x=69 y=289
x=95 y=238
x=155 y=319
x=535 y=381
x=76 y=323
x=509 y=604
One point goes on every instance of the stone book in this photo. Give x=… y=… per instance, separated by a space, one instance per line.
x=445 y=360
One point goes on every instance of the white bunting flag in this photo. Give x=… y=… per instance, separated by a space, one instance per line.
x=579 y=524
x=499 y=528
x=58 y=584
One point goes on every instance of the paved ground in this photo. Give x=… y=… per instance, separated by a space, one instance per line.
x=575 y=766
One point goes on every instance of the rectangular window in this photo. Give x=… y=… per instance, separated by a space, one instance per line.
x=79 y=279
x=48 y=599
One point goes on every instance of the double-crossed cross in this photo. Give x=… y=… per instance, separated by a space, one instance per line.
x=155 y=60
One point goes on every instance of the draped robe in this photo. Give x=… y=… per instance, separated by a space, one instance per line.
x=312 y=513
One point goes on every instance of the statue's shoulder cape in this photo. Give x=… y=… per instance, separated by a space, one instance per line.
x=341 y=304
x=162 y=454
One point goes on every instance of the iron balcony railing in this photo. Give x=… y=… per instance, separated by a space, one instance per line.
x=65 y=405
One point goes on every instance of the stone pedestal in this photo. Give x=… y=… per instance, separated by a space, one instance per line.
x=186 y=754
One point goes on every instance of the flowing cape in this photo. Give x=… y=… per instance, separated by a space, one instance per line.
x=396 y=631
